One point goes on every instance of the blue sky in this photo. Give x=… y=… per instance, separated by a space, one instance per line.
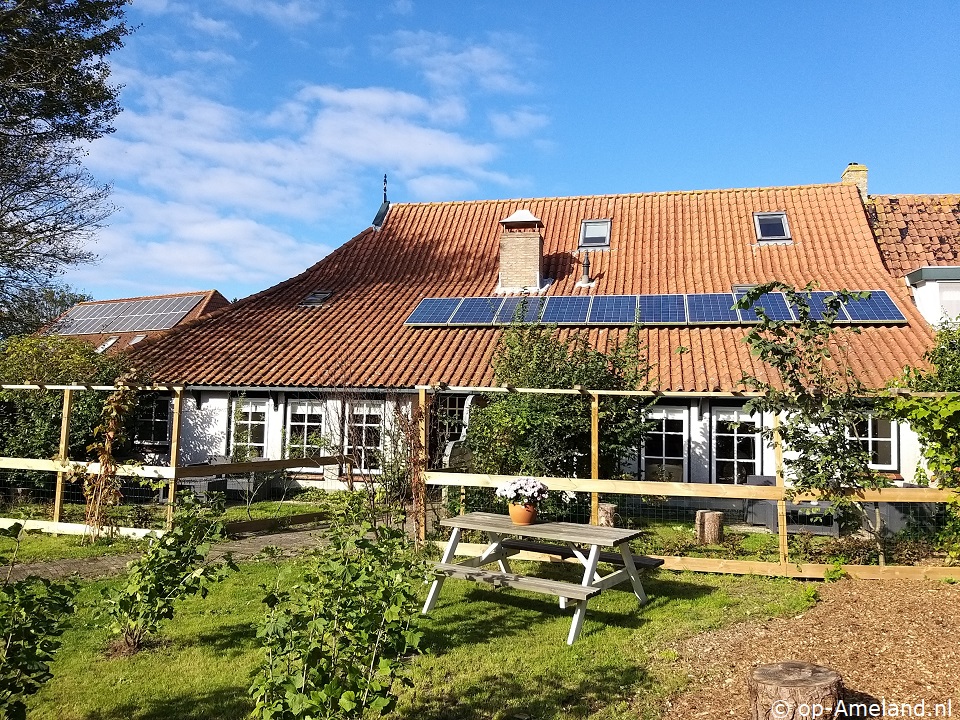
x=256 y=133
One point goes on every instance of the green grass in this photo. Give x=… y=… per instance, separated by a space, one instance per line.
x=273 y=509
x=491 y=654
x=41 y=547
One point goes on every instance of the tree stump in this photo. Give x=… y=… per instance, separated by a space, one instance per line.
x=793 y=690
x=709 y=526
x=606 y=515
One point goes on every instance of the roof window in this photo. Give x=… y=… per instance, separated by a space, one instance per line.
x=316 y=298
x=136 y=339
x=108 y=343
x=594 y=234
x=772 y=227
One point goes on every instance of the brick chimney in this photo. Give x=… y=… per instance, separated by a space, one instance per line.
x=521 y=253
x=856 y=174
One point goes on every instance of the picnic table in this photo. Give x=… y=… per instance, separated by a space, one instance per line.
x=583 y=542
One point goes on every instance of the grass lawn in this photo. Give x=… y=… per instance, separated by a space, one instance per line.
x=492 y=654
x=40 y=547
x=273 y=509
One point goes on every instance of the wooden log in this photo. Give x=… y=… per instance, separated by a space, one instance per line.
x=607 y=515
x=709 y=526
x=793 y=690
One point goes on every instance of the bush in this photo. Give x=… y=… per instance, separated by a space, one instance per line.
x=175 y=566
x=335 y=642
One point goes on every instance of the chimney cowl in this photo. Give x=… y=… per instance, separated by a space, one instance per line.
x=521 y=219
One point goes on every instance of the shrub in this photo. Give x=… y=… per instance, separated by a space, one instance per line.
x=175 y=566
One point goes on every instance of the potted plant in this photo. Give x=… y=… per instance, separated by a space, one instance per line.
x=523 y=495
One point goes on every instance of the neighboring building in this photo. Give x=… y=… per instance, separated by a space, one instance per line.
x=325 y=360
x=115 y=325
x=919 y=240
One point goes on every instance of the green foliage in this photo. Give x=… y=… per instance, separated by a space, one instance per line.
x=819 y=399
x=31 y=309
x=30 y=419
x=335 y=642
x=33 y=616
x=174 y=567
x=549 y=435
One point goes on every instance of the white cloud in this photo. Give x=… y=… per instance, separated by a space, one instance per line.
x=210 y=26
x=290 y=13
x=519 y=123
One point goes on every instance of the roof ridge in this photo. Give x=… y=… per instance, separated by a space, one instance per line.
x=203 y=293
x=917 y=195
x=619 y=195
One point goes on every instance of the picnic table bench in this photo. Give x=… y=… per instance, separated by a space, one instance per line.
x=582 y=542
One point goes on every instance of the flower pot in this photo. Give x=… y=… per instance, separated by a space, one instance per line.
x=523 y=514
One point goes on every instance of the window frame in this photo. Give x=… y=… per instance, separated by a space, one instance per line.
x=307 y=425
x=446 y=423
x=784 y=239
x=942 y=285
x=870 y=439
x=153 y=421
x=607 y=223
x=683 y=414
x=738 y=415
x=248 y=407
x=362 y=466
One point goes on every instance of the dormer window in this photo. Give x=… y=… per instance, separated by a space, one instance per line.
x=772 y=227
x=594 y=234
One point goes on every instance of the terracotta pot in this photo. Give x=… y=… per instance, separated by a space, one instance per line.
x=523 y=514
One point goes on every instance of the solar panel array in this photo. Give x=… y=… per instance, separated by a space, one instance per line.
x=126 y=315
x=691 y=309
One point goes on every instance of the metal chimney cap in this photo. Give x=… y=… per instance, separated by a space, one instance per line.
x=522 y=217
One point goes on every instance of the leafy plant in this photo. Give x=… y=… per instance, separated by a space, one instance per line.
x=335 y=642
x=33 y=616
x=174 y=567
x=549 y=435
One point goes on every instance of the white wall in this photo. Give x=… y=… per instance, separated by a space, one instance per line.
x=203 y=429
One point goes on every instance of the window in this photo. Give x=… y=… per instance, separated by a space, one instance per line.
x=108 y=343
x=136 y=338
x=316 y=298
x=664 y=452
x=594 y=234
x=249 y=436
x=364 y=434
x=736 y=446
x=304 y=427
x=878 y=436
x=446 y=424
x=152 y=426
x=771 y=227
x=949 y=299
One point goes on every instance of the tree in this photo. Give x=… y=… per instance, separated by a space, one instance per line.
x=549 y=435
x=54 y=94
x=36 y=307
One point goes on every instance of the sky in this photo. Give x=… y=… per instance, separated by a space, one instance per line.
x=256 y=133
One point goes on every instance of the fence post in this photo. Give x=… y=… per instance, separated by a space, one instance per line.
x=594 y=455
x=782 y=502
x=63 y=452
x=174 y=452
x=420 y=496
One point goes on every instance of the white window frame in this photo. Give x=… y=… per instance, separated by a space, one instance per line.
x=870 y=439
x=668 y=412
x=153 y=421
x=311 y=409
x=107 y=344
x=772 y=239
x=248 y=407
x=949 y=286
x=584 y=224
x=368 y=407
x=732 y=414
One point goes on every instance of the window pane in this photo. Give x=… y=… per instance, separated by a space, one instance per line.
x=771 y=226
x=724 y=446
x=746 y=448
x=258 y=416
x=674 y=446
x=881 y=428
x=674 y=426
x=654 y=445
x=744 y=469
x=728 y=427
x=372 y=439
x=725 y=472
x=298 y=418
x=257 y=434
x=883 y=452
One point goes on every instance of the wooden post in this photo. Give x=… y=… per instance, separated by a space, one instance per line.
x=63 y=454
x=420 y=495
x=793 y=690
x=781 y=503
x=174 y=452
x=594 y=455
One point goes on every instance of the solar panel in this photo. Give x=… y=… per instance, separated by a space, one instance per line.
x=662 y=310
x=711 y=308
x=433 y=311
x=774 y=305
x=476 y=311
x=566 y=310
x=877 y=308
x=531 y=307
x=127 y=315
x=613 y=310
x=818 y=307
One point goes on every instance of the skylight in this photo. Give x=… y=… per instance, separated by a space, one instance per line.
x=594 y=234
x=108 y=343
x=771 y=227
x=316 y=298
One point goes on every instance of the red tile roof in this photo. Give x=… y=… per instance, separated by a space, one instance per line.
x=212 y=300
x=915 y=231
x=683 y=242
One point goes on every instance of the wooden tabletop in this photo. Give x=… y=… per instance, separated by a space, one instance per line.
x=562 y=531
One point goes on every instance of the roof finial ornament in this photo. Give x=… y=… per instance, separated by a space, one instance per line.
x=385 y=187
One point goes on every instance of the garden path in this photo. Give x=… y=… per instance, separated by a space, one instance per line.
x=292 y=542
